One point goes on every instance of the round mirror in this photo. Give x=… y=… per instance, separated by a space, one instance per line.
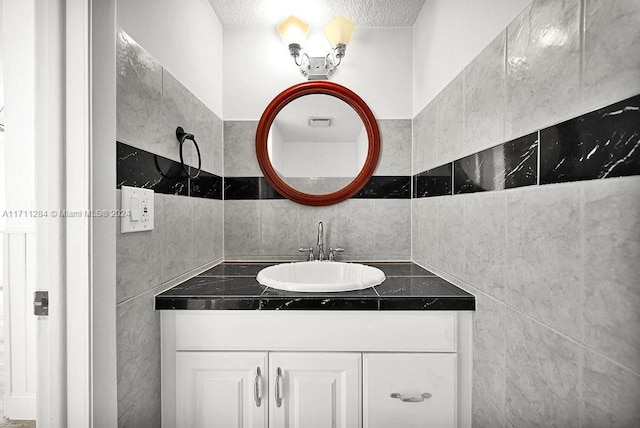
x=317 y=143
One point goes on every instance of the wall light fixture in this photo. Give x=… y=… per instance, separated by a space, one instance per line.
x=339 y=31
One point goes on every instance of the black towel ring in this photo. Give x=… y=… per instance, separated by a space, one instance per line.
x=182 y=136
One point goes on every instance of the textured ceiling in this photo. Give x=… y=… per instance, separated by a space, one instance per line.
x=268 y=13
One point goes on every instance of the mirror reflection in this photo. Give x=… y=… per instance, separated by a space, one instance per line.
x=317 y=144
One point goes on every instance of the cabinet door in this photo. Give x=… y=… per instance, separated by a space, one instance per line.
x=315 y=390
x=408 y=377
x=221 y=389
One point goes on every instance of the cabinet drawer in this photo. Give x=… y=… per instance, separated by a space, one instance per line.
x=411 y=376
x=410 y=331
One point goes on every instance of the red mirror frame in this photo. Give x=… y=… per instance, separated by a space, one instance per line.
x=327 y=88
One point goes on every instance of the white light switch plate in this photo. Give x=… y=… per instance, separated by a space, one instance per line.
x=137 y=204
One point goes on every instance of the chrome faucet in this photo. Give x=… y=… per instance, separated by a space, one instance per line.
x=320 y=243
x=321 y=256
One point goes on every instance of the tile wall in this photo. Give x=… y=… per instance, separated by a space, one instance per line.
x=375 y=224
x=188 y=224
x=553 y=266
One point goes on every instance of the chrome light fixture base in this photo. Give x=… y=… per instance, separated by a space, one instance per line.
x=318 y=68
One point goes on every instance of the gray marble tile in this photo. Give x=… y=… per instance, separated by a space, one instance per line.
x=484 y=242
x=612 y=251
x=611 y=52
x=309 y=217
x=137 y=255
x=484 y=414
x=178 y=249
x=240 y=149
x=428 y=229
x=279 y=228
x=425 y=138
x=181 y=108
x=543 y=255
x=138 y=367
x=543 y=66
x=204 y=130
x=416 y=248
x=215 y=162
x=218 y=229
x=610 y=394
x=354 y=229
x=484 y=98
x=392 y=229
x=450 y=121
x=241 y=229
x=395 y=147
x=451 y=235
x=138 y=95
x=542 y=371
x=203 y=235
x=489 y=328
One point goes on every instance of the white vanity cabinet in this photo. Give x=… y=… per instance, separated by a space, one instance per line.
x=225 y=389
x=247 y=389
x=306 y=369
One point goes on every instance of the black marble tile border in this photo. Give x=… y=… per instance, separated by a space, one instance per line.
x=507 y=166
x=378 y=187
x=139 y=168
x=386 y=187
x=249 y=188
x=433 y=182
x=600 y=144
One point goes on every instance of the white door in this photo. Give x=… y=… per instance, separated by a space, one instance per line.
x=409 y=390
x=19 y=238
x=221 y=389
x=315 y=390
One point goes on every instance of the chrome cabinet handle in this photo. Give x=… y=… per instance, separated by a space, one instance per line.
x=256 y=388
x=278 y=390
x=411 y=399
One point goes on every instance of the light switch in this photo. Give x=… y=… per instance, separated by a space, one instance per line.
x=137 y=209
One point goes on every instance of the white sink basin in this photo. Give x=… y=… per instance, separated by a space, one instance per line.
x=320 y=276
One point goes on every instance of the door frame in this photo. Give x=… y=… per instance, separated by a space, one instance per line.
x=72 y=82
x=90 y=187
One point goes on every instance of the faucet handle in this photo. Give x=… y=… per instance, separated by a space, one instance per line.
x=332 y=251
x=309 y=250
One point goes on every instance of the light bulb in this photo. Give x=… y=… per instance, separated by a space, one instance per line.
x=293 y=30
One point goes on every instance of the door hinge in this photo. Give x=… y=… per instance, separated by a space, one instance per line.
x=41 y=303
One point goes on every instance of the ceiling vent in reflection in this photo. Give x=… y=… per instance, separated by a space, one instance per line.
x=320 y=122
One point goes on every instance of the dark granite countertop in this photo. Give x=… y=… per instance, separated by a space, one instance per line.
x=234 y=286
